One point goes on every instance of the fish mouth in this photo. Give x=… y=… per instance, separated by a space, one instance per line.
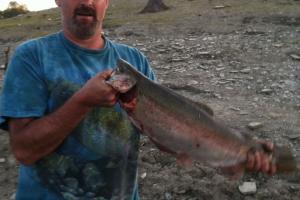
x=120 y=82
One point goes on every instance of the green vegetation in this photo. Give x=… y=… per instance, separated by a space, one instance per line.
x=14 y=9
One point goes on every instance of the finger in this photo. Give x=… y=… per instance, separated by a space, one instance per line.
x=257 y=161
x=265 y=163
x=112 y=102
x=268 y=146
x=250 y=161
x=106 y=74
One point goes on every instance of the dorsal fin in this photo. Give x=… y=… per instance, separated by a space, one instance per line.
x=204 y=107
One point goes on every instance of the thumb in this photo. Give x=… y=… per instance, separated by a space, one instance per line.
x=106 y=74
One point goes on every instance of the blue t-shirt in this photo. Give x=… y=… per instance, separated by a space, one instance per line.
x=98 y=160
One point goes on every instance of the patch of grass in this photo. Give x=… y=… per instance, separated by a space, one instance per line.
x=30 y=25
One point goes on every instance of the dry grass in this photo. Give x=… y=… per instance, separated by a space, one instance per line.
x=127 y=12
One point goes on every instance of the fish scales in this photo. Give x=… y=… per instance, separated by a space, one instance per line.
x=177 y=118
x=182 y=135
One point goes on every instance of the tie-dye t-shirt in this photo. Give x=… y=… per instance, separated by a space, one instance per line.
x=98 y=160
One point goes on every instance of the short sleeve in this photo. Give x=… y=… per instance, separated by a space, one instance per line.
x=24 y=92
x=145 y=67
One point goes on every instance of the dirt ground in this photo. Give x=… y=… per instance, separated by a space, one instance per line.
x=240 y=58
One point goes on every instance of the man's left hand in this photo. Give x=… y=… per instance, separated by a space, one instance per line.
x=260 y=160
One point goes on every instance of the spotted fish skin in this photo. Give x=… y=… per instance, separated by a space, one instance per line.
x=186 y=128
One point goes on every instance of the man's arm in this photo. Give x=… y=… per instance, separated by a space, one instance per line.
x=33 y=138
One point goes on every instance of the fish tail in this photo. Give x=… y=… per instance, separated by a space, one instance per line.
x=285 y=160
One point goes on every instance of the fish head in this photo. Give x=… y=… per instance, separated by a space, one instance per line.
x=120 y=82
x=122 y=78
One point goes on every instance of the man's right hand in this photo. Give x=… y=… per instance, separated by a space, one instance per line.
x=96 y=92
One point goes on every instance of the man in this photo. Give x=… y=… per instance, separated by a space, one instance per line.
x=70 y=136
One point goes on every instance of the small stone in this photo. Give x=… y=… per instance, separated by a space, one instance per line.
x=278 y=45
x=234 y=109
x=13 y=196
x=248 y=188
x=192 y=82
x=218 y=96
x=220 y=7
x=144 y=49
x=267 y=91
x=254 y=125
x=143 y=175
x=204 y=53
x=2 y=160
x=295 y=56
x=244 y=113
x=220 y=68
x=168 y=196
x=246 y=71
x=294 y=136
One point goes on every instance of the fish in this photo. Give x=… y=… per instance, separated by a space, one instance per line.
x=185 y=128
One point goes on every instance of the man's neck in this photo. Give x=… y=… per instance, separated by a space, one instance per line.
x=94 y=42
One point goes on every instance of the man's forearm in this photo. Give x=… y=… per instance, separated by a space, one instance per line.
x=35 y=138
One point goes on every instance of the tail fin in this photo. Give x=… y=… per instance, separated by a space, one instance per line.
x=285 y=160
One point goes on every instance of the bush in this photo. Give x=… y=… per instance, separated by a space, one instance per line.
x=14 y=9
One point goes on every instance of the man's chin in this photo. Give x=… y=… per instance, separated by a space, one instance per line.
x=84 y=30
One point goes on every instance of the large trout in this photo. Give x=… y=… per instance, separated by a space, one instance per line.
x=186 y=128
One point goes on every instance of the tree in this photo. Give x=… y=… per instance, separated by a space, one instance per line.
x=155 y=6
x=14 y=9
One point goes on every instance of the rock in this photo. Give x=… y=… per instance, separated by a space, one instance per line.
x=192 y=82
x=2 y=66
x=2 y=160
x=267 y=91
x=254 y=125
x=278 y=45
x=246 y=71
x=143 y=175
x=248 y=188
x=168 y=196
x=220 y=7
x=294 y=136
x=218 y=96
x=234 y=109
x=295 y=56
x=243 y=113
x=13 y=196
x=220 y=69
